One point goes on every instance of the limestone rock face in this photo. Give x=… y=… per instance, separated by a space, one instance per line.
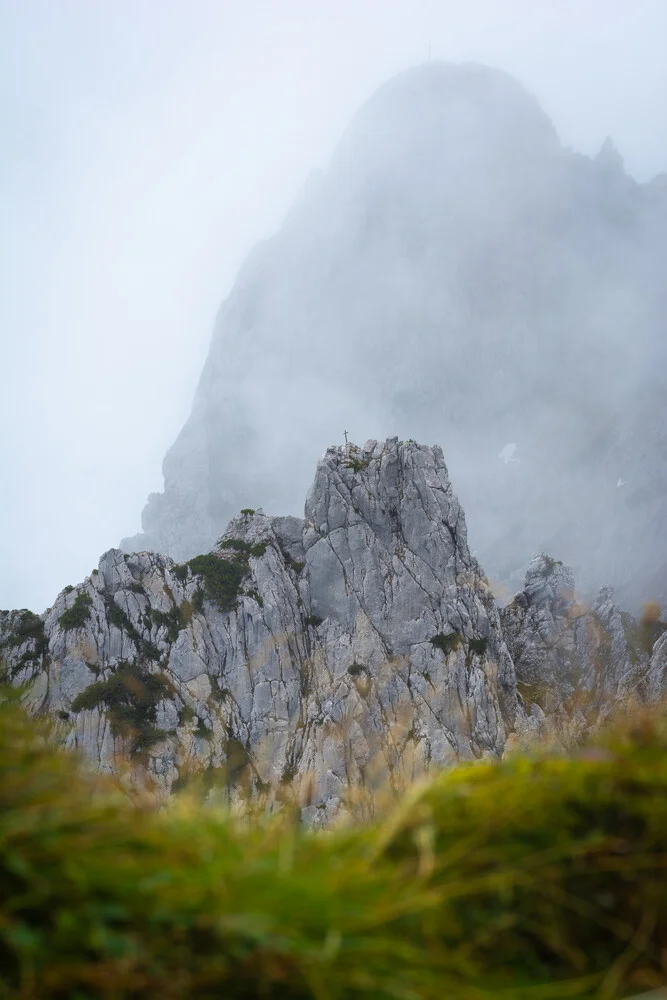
x=458 y=274
x=410 y=631
x=358 y=639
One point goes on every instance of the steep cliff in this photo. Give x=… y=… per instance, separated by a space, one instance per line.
x=458 y=274
x=362 y=639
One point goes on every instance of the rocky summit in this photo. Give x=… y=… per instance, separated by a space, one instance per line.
x=361 y=640
x=455 y=275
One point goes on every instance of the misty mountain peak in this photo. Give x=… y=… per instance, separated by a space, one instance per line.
x=458 y=274
x=440 y=128
x=444 y=107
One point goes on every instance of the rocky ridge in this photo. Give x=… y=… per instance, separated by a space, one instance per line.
x=320 y=646
x=361 y=640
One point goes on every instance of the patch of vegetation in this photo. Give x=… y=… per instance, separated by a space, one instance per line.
x=356 y=464
x=248 y=511
x=137 y=588
x=238 y=544
x=29 y=628
x=94 y=572
x=355 y=669
x=77 y=616
x=447 y=643
x=478 y=646
x=63 y=715
x=116 y=616
x=313 y=620
x=68 y=589
x=525 y=878
x=180 y=571
x=222 y=580
x=130 y=697
x=245 y=548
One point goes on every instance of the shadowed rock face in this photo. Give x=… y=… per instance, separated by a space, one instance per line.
x=363 y=637
x=458 y=274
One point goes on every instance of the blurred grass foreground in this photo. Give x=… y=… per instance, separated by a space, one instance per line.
x=542 y=876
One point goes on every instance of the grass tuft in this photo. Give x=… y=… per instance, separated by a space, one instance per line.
x=538 y=877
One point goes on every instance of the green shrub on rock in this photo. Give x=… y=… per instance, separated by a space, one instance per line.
x=29 y=627
x=77 y=616
x=130 y=697
x=448 y=643
x=222 y=578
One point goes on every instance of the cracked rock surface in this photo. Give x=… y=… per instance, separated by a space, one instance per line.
x=337 y=646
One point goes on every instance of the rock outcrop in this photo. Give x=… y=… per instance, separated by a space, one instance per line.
x=363 y=638
x=572 y=657
x=458 y=274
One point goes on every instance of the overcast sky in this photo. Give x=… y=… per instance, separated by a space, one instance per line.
x=148 y=144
